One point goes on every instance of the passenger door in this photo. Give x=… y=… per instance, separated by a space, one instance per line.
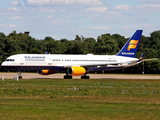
x=50 y=61
x=22 y=61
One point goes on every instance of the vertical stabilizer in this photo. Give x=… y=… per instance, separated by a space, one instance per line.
x=130 y=48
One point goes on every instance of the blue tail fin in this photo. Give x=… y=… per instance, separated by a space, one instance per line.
x=130 y=48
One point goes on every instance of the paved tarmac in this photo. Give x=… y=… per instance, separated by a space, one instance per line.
x=92 y=76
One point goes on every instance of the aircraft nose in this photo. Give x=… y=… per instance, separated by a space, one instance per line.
x=3 y=64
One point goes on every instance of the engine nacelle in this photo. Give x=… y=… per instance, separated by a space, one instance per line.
x=76 y=71
x=46 y=72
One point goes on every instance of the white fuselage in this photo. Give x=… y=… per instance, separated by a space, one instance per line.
x=49 y=61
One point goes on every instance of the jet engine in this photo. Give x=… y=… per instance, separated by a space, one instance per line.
x=76 y=71
x=46 y=72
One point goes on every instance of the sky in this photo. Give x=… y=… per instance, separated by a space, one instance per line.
x=88 y=18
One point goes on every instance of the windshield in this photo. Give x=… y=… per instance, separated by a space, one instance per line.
x=10 y=60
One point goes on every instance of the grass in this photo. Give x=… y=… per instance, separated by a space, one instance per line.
x=80 y=99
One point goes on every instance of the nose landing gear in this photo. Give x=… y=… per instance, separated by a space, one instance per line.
x=19 y=75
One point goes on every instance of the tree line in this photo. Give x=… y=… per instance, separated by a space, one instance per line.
x=20 y=43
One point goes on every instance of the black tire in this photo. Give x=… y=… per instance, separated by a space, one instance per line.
x=85 y=77
x=20 y=77
x=67 y=77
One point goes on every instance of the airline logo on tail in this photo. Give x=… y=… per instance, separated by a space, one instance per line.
x=132 y=44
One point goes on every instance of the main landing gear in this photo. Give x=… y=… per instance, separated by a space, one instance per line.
x=70 y=77
x=85 y=77
x=19 y=75
x=67 y=77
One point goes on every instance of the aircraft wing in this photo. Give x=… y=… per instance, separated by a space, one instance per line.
x=95 y=64
x=141 y=58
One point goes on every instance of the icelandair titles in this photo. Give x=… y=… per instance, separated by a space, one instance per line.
x=34 y=58
x=127 y=53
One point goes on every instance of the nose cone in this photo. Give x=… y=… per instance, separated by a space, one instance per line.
x=3 y=64
x=6 y=65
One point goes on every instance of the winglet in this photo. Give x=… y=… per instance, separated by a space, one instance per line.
x=130 y=48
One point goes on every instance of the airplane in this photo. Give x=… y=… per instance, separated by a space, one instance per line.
x=77 y=65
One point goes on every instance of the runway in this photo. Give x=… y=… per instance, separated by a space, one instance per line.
x=92 y=76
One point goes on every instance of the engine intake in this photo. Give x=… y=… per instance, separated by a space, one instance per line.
x=76 y=71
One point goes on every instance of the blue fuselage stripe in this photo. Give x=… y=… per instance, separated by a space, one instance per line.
x=33 y=67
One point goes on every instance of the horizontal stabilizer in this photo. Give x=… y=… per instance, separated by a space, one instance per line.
x=150 y=59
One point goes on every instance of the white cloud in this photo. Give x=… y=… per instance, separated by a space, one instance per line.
x=15 y=3
x=14 y=9
x=122 y=7
x=151 y=6
x=141 y=1
x=114 y=14
x=47 y=2
x=8 y=26
x=148 y=8
x=148 y=26
x=59 y=21
x=62 y=10
x=97 y=9
x=42 y=9
x=149 y=1
x=50 y=17
x=16 y=18
x=88 y=2
x=61 y=2
x=100 y=27
x=130 y=27
x=94 y=16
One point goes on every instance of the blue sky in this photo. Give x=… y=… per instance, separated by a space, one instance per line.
x=89 y=18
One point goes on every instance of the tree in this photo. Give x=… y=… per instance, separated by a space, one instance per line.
x=88 y=45
x=2 y=46
x=106 y=45
x=121 y=40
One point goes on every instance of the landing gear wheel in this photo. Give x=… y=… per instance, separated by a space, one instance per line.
x=20 y=77
x=85 y=77
x=67 y=77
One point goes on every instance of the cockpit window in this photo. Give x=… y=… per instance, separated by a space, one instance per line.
x=10 y=60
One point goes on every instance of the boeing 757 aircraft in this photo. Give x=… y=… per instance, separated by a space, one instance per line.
x=77 y=65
